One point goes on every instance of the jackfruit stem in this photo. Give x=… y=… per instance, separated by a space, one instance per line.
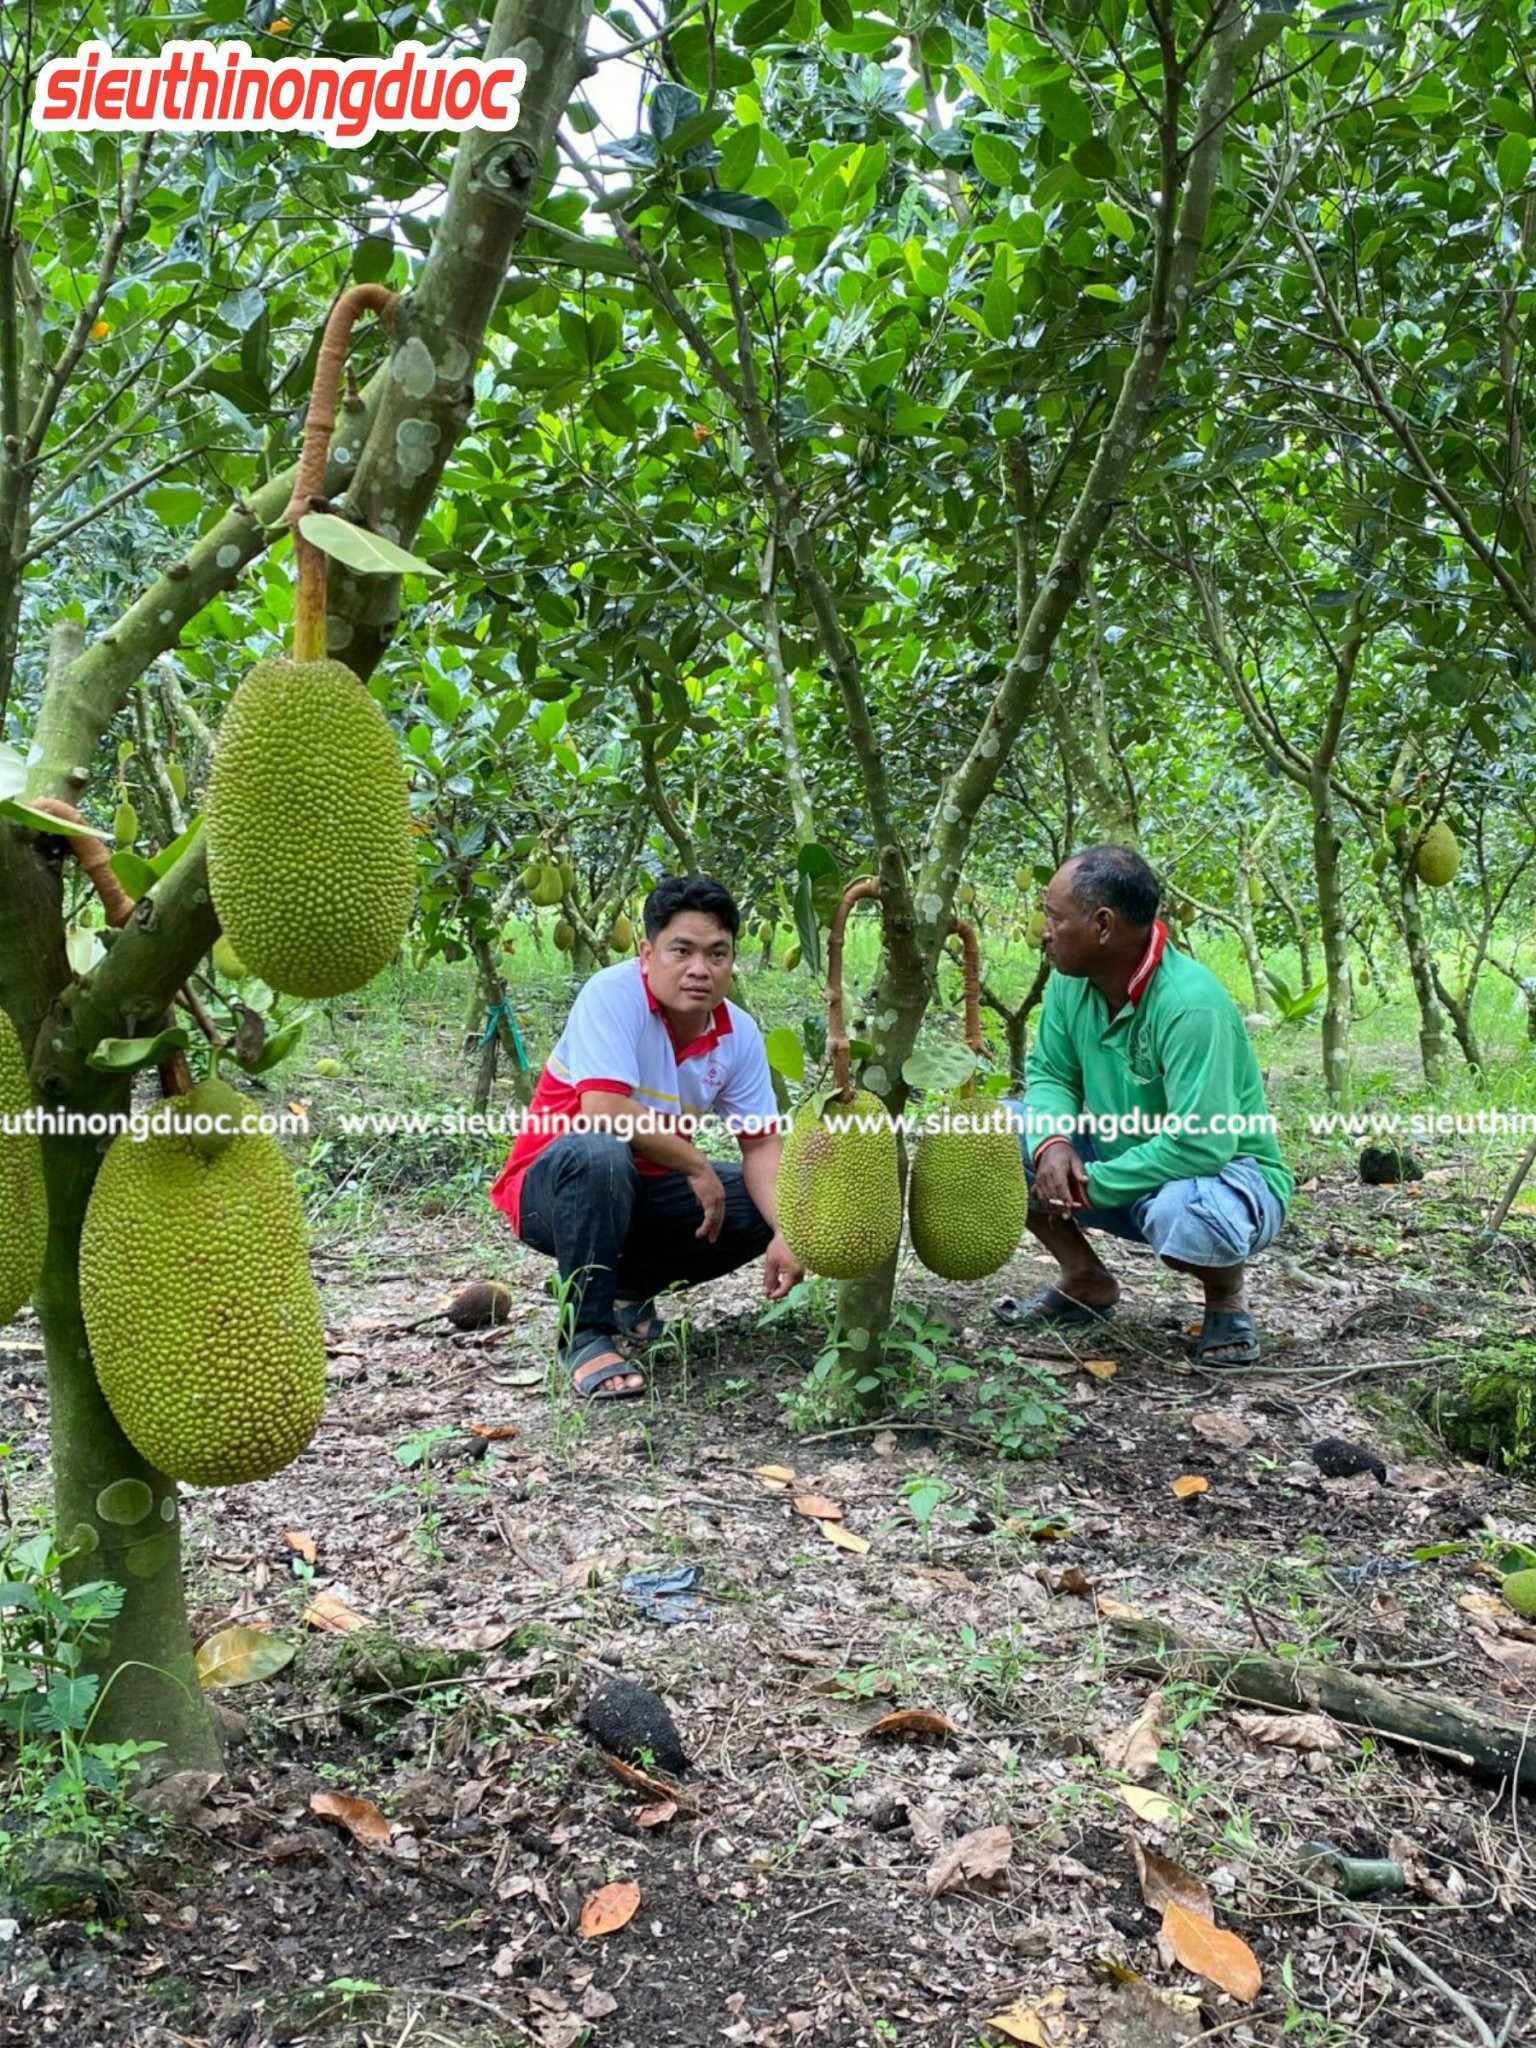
x=309 y=479
x=971 y=980
x=837 y=1031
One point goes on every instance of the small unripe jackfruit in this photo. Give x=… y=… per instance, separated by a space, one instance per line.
x=1520 y=1591
x=1438 y=856
x=23 y=1194
x=1255 y=891
x=311 y=857
x=546 y=888
x=792 y=957
x=839 y=1188
x=227 y=961
x=622 y=938
x=564 y=936
x=176 y=776
x=125 y=824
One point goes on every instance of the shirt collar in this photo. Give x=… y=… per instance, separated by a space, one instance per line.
x=720 y=1025
x=1136 y=988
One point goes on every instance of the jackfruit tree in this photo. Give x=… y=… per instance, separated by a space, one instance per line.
x=144 y=1246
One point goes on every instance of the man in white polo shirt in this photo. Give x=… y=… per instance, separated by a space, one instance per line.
x=627 y=1204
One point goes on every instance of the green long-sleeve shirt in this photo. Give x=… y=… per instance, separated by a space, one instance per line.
x=1182 y=1051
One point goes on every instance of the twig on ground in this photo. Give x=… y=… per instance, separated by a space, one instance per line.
x=1469 y=2012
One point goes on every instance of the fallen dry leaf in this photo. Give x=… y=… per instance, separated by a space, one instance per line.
x=495 y=1432
x=912 y=1721
x=1116 y=1610
x=302 y=1545
x=1214 y=1953
x=656 y=1790
x=1132 y=1750
x=609 y=1909
x=845 y=1539
x=775 y=1477
x=1165 y=1883
x=1039 y=2026
x=1516 y=1657
x=241 y=1656
x=1293 y=1731
x=1073 y=1581
x=360 y=1817
x=1221 y=1426
x=330 y=1612
x=1188 y=1485
x=656 y=1816
x=976 y=1858
x=817 y=1508
x=1155 y=1808
x=1101 y=1369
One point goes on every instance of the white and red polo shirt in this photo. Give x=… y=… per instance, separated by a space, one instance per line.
x=619 y=1039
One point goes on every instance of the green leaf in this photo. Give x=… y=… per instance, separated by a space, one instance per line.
x=738 y=155
x=133 y=871
x=760 y=22
x=786 y=1054
x=671 y=105
x=807 y=925
x=167 y=857
x=129 y=1055
x=275 y=1051
x=996 y=160
x=999 y=301
x=940 y=1066
x=366 y=554
x=1513 y=162
x=743 y=211
x=612 y=413
x=373 y=259
x=176 y=504
x=838 y=16
x=1064 y=113
x=13 y=772
x=19 y=813
x=1117 y=220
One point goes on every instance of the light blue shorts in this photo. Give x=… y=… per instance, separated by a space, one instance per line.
x=1215 y=1219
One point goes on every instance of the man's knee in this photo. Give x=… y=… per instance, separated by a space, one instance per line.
x=1185 y=1221
x=596 y=1157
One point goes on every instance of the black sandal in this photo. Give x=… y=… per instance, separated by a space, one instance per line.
x=640 y=1322
x=595 y=1386
x=1050 y=1309
x=1231 y=1330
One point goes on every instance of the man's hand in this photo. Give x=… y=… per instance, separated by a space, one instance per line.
x=709 y=1193
x=781 y=1270
x=1061 y=1180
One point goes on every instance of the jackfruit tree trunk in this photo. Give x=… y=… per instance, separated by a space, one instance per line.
x=1409 y=913
x=1326 y=847
x=128 y=1533
x=1253 y=959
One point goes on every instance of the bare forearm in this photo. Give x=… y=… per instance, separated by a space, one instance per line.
x=760 y=1171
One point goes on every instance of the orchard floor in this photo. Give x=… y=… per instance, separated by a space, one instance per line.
x=788 y=1899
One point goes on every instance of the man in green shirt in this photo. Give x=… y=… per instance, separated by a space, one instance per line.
x=1143 y=1111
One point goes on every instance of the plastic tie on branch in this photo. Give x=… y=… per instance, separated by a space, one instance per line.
x=839 y=1045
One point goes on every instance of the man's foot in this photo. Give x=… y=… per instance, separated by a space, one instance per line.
x=1227 y=1336
x=1055 y=1308
x=639 y=1321
x=599 y=1372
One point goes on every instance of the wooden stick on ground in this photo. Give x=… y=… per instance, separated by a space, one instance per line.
x=1481 y=1744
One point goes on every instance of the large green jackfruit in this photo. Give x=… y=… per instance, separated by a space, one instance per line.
x=967 y=1197
x=1438 y=856
x=205 y=1326
x=23 y=1196
x=839 y=1188
x=311 y=858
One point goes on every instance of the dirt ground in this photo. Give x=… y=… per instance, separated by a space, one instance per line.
x=803 y=1883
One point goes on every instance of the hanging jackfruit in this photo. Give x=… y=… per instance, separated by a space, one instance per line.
x=311 y=857
x=839 y=1188
x=205 y=1327
x=1438 y=856
x=967 y=1198
x=23 y=1195
x=543 y=884
x=564 y=936
x=622 y=937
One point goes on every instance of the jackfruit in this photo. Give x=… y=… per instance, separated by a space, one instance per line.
x=792 y=958
x=839 y=1188
x=328 y=1069
x=1255 y=891
x=23 y=1195
x=125 y=825
x=311 y=857
x=176 y=776
x=1438 y=856
x=209 y=1100
x=204 y=1323
x=546 y=888
x=564 y=936
x=1034 y=933
x=1520 y=1591
x=967 y=1198
x=622 y=938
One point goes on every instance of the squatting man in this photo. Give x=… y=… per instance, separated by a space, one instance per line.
x=1135 y=1036
x=629 y=1206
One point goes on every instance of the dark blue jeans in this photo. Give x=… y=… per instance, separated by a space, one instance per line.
x=618 y=1233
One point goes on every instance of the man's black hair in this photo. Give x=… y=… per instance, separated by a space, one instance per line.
x=1117 y=878
x=702 y=893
